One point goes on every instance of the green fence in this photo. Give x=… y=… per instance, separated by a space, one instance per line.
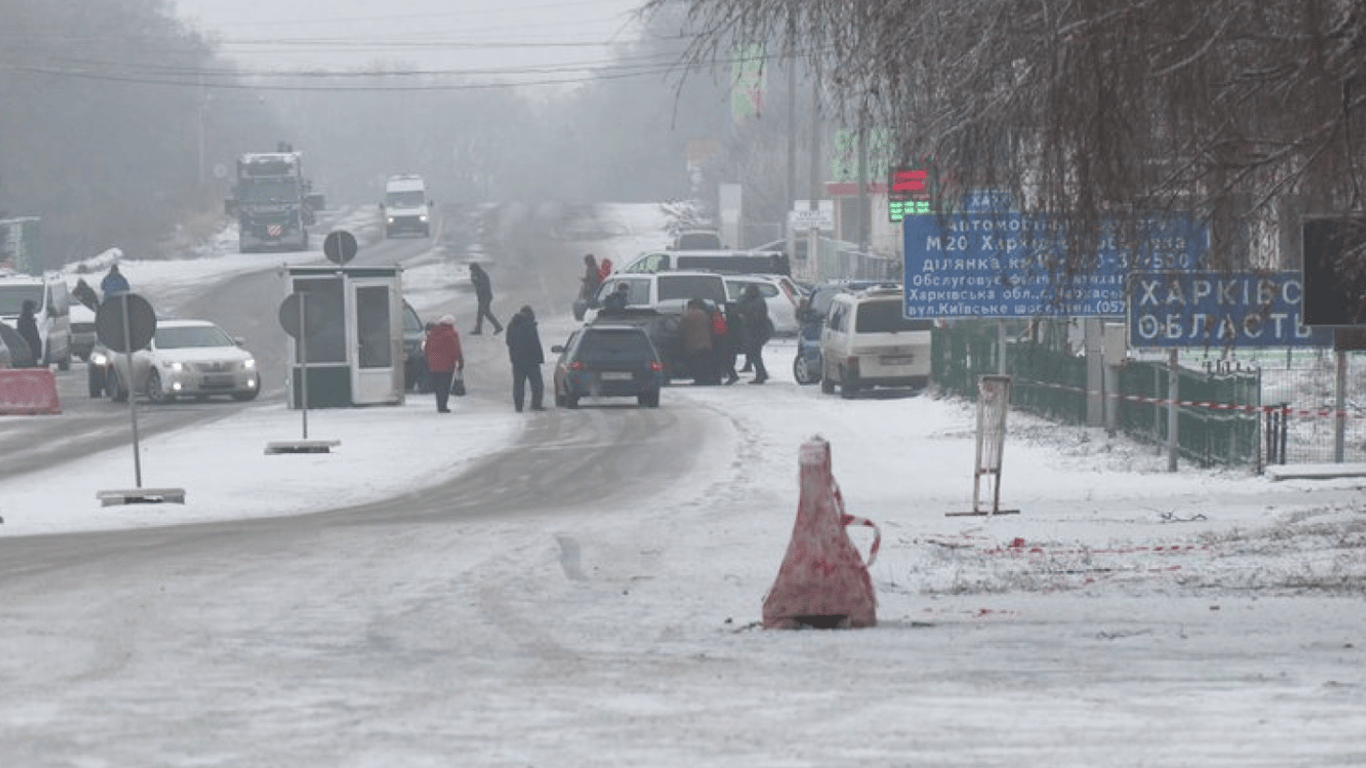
x=1220 y=425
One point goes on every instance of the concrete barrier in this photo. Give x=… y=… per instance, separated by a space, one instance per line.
x=28 y=392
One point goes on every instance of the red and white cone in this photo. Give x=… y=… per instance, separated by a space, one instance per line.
x=823 y=581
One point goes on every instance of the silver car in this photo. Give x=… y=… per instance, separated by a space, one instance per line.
x=186 y=358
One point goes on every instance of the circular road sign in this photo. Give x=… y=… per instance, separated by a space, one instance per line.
x=109 y=325
x=315 y=314
x=339 y=246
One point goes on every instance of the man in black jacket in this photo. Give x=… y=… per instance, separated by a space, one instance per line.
x=524 y=349
x=483 y=291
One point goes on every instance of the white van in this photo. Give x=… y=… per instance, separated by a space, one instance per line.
x=406 y=208
x=867 y=342
x=647 y=290
x=52 y=300
x=731 y=261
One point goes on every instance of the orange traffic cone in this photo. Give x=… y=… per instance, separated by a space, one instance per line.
x=823 y=581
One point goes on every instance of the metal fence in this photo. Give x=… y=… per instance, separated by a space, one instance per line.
x=1219 y=420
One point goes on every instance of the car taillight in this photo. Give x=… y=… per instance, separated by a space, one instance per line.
x=851 y=365
x=655 y=365
x=577 y=365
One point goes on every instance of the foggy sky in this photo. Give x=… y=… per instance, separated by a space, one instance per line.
x=507 y=39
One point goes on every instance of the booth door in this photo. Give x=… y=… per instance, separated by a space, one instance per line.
x=378 y=335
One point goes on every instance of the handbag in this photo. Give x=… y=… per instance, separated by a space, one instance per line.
x=458 y=383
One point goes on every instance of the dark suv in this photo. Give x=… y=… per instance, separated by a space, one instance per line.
x=608 y=360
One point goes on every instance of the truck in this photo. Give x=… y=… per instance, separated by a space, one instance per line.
x=273 y=202
x=406 y=208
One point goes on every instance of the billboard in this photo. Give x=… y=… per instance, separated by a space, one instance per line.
x=1009 y=265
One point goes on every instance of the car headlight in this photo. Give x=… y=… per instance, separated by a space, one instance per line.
x=249 y=364
x=176 y=367
x=99 y=358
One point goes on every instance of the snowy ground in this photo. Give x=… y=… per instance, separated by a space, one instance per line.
x=1196 y=618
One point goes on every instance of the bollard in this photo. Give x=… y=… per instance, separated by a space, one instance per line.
x=823 y=581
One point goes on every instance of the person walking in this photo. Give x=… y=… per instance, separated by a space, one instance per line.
x=444 y=358
x=695 y=327
x=758 y=329
x=27 y=326
x=114 y=282
x=524 y=350
x=592 y=278
x=483 y=292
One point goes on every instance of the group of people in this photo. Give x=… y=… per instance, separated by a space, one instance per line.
x=446 y=359
x=714 y=337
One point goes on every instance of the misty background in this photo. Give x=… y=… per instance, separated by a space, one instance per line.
x=121 y=120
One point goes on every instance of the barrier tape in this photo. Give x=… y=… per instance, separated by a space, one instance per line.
x=847 y=520
x=1211 y=405
x=28 y=392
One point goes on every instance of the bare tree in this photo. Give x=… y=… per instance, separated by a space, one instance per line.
x=1239 y=110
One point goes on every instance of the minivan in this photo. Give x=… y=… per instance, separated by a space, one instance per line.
x=53 y=310
x=867 y=342
x=734 y=262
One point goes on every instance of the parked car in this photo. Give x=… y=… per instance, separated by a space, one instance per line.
x=414 y=362
x=867 y=342
x=650 y=289
x=608 y=360
x=812 y=307
x=712 y=260
x=82 y=330
x=186 y=358
x=14 y=351
x=52 y=302
x=778 y=291
x=697 y=239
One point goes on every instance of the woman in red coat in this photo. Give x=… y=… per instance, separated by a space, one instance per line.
x=444 y=358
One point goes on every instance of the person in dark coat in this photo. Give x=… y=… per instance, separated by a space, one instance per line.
x=114 y=282
x=616 y=301
x=27 y=326
x=758 y=329
x=444 y=358
x=592 y=278
x=524 y=350
x=483 y=291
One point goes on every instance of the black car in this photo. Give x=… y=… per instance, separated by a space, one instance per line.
x=608 y=360
x=414 y=362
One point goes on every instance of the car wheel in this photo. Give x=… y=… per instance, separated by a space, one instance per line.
x=155 y=392
x=243 y=397
x=827 y=385
x=95 y=380
x=571 y=400
x=650 y=399
x=801 y=372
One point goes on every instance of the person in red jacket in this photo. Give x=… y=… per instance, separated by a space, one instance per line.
x=444 y=358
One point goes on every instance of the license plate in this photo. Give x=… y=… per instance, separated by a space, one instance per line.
x=216 y=382
x=898 y=360
x=616 y=376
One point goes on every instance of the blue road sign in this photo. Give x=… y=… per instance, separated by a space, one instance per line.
x=1004 y=265
x=1220 y=309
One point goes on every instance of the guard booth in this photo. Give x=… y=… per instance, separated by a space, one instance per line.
x=352 y=334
